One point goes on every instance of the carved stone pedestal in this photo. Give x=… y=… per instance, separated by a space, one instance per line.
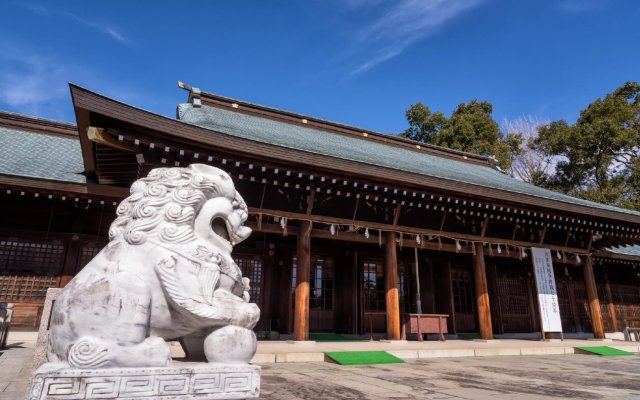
x=181 y=381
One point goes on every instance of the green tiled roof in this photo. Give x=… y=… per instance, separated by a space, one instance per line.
x=35 y=155
x=626 y=250
x=365 y=151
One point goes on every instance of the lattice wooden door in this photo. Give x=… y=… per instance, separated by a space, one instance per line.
x=582 y=302
x=627 y=303
x=566 y=312
x=463 y=302
x=515 y=308
x=605 y=311
x=29 y=268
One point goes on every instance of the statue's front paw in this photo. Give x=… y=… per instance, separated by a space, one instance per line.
x=247 y=316
x=230 y=344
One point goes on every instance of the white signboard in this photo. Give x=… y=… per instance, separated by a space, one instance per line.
x=547 y=295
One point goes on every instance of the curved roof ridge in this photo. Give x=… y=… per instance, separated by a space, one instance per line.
x=328 y=124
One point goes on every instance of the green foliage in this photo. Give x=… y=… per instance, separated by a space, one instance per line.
x=470 y=128
x=598 y=156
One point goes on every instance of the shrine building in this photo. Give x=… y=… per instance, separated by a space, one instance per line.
x=352 y=229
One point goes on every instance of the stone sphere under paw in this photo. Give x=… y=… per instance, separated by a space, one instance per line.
x=230 y=344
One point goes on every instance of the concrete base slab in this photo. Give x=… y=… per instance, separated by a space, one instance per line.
x=394 y=341
x=497 y=351
x=539 y=351
x=442 y=353
x=263 y=358
x=299 y=357
x=404 y=354
x=487 y=340
x=302 y=342
x=181 y=381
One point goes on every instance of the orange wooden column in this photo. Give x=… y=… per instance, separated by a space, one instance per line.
x=592 y=296
x=391 y=287
x=301 y=310
x=482 y=293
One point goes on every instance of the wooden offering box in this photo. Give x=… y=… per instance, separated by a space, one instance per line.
x=424 y=323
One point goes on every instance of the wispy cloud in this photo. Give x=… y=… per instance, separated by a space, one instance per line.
x=104 y=29
x=99 y=27
x=34 y=83
x=402 y=23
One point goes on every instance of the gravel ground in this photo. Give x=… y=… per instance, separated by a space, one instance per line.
x=574 y=376
x=520 y=377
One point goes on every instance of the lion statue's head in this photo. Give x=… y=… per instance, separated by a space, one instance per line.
x=174 y=206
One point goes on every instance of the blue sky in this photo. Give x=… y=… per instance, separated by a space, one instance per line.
x=360 y=62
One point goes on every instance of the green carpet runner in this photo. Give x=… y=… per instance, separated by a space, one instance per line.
x=604 y=351
x=363 y=357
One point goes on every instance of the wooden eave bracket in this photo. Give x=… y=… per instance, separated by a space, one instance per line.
x=99 y=136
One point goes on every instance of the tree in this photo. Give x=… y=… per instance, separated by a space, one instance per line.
x=599 y=154
x=470 y=128
x=529 y=165
x=424 y=125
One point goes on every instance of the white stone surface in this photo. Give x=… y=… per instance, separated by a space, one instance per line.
x=230 y=344
x=183 y=381
x=167 y=273
x=6 y=312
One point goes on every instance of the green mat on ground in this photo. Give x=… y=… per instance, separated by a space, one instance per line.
x=469 y=336
x=330 y=337
x=363 y=357
x=604 y=351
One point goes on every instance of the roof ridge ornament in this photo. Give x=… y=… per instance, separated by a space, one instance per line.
x=194 y=94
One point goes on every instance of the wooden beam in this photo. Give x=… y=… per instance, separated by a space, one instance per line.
x=36 y=185
x=70 y=262
x=396 y=214
x=543 y=234
x=485 y=226
x=444 y=217
x=310 y=199
x=482 y=293
x=407 y=229
x=391 y=287
x=99 y=136
x=301 y=311
x=592 y=296
x=355 y=209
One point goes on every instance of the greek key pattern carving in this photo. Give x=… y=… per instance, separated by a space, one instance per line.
x=236 y=382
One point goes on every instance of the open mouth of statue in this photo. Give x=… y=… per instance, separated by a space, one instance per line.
x=219 y=227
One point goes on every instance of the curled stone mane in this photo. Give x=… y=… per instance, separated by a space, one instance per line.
x=163 y=206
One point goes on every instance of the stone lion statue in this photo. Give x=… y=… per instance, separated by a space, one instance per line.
x=167 y=273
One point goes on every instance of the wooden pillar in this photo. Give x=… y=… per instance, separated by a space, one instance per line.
x=573 y=303
x=301 y=311
x=70 y=262
x=612 y=306
x=482 y=293
x=492 y=281
x=592 y=296
x=391 y=287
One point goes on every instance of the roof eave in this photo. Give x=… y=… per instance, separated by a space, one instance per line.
x=86 y=101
